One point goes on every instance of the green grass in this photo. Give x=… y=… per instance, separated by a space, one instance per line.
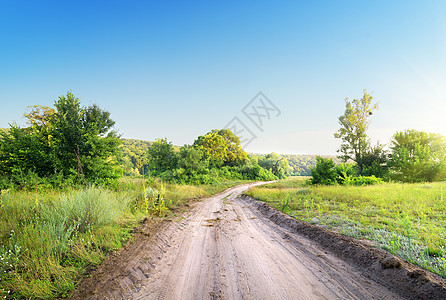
x=409 y=220
x=50 y=239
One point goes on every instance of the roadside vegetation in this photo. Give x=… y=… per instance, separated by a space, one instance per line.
x=393 y=195
x=71 y=190
x=409 y=219
x=51 y=238
x=68 y=200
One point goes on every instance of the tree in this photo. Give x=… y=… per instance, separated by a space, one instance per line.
x=418 y=156
x=21 y=151
x=353 y=132
x=70 y=140
x=221 y=147
x=192 y=161
x=162 y=156
x=83 y=139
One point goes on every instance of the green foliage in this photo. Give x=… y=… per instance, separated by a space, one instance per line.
x=300 y=165
x=71 y=141
x=253 y=171
x=327 y=173
x=418 y=156
x=133 y=157
x=276 y=164
x=324 y=171
x=221 y=147
x=46 y=249
x=354 y=124
x=374 y=161
x=192 y=160
x=84 y=210
x=345 y=173
x=162 y=156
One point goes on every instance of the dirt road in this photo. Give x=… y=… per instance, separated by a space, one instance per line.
x=226 y=248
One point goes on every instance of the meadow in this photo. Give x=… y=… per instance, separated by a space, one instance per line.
x=409 y=220
x=51 y=238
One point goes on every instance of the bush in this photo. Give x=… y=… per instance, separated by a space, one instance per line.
x=345 y=172
x=84 y=210
x=252 y=171
x=324 y=172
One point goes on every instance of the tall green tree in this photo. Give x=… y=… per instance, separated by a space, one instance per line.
x=162 y=156
x=83 y=139
x=418 y=156
x=71 y=140
x=221 y=147
x=353 y=132
x=192 y=161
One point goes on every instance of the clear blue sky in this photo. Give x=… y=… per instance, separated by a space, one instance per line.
x=178 y=69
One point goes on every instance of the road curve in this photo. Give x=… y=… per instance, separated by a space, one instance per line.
x=225 y=249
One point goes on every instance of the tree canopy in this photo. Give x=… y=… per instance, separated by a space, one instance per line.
x=162 y=156
x=418 y=156
x=71 y=141
x=221 y=147
x=353 y=132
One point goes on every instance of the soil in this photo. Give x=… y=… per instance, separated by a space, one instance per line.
x=233 y=247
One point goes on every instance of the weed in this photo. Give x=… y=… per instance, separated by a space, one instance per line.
x=285 y=203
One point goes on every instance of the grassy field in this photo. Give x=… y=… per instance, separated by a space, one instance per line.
x=49 y=238
x=408 y=220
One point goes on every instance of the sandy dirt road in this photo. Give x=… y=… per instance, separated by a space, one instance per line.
x=224 y=248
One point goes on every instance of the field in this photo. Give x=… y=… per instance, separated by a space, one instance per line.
x=408 y=220
x=50 y=238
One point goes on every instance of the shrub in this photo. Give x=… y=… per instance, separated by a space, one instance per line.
x=83 y=210
x=345 y=172
x=324 y=172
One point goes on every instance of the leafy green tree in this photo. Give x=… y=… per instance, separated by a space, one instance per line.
x=83 y=139
x=162 y=156
x=70 y=140
x=192 y=160
x=353 y=132
x=418 y=156
x=221 y=147
x=21 y=151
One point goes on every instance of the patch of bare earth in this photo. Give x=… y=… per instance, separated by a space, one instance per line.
x=232 y=247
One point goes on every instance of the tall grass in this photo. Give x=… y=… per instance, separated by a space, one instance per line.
x=406 y=219
x=46 y=248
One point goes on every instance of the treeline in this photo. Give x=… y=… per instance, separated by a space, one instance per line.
x=134 y=158
x=213 y=157
x=412 y=155
x=67 y=144
x=72 y=144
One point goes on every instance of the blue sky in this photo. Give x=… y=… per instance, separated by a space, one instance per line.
x=178 y=69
